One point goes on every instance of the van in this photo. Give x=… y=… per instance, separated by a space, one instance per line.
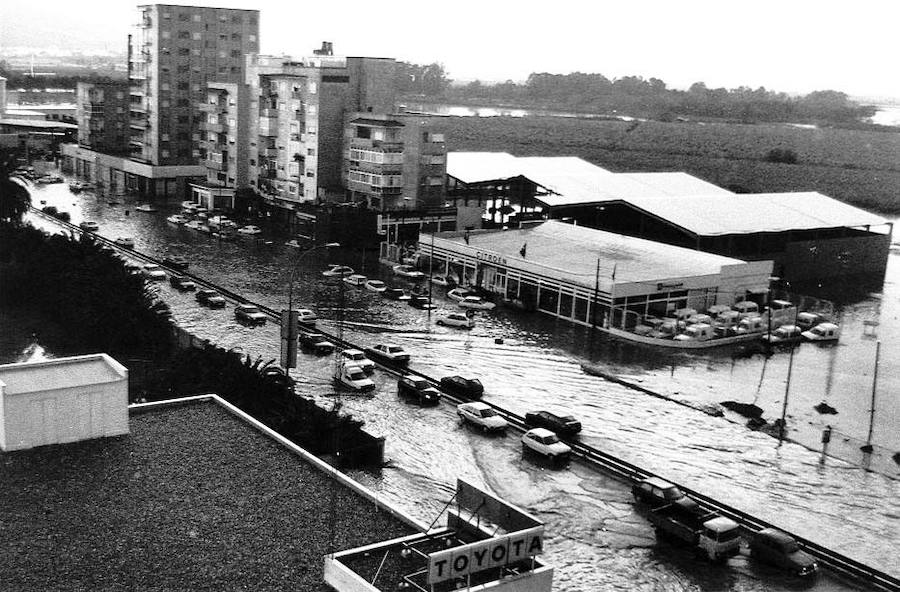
x=746 y=308
x=751 y=325
x=698 y=332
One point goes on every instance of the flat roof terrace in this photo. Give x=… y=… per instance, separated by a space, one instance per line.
x=194 y=498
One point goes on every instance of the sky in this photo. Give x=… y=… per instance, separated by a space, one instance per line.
x=785 y=45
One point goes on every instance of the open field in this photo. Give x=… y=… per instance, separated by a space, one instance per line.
x=858 y=167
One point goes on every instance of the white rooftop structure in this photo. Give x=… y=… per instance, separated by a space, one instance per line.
x=746 y=213
x=62 y=400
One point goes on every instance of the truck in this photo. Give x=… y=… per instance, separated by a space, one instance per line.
x=711 y=535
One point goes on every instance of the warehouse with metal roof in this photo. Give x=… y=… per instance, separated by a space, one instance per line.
x=808 y=236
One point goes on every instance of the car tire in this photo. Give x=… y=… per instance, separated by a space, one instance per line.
x=440 y=322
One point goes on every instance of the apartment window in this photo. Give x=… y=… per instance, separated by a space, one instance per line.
x=164 y=153
x=167 y=15
x=165 y=103
x=165 y=137
x=222 y=54
x=183 y=119
x=196 y=18
x=251 y=37
x=252 y=162
x=183 y=86
x=236 y=19
x=165 y=34
x=183 y=153
x=183 y=103
x=211 y=136
x=312 y=109
x=196 y=36
x=310 y=152
x=164 y=69
x=165 y=86
x=183 y=51
x=184 y=34
x=195 y=153
x=235 y=53
x=223 y=37
x=252 y=19
x=195 y=52
x=235 y=36
x=223 y=69
x=183 y=69
x=232 y=122
x=235 y=70
x=183 y=17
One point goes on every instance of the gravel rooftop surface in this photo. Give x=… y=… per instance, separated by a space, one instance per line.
x=192 y=499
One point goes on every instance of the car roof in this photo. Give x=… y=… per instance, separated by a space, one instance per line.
x=720 y=523
x=658 y=482
x=352 y=351
x=542 y=432
x=775 y=535
x=476 y=405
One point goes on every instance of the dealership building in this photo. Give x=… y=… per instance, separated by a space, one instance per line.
x=580 y=274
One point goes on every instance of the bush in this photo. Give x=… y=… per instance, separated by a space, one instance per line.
x=782 y=155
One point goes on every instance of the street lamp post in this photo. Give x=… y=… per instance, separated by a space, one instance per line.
x=290 y=317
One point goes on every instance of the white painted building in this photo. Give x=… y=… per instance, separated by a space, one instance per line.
x=62 y=400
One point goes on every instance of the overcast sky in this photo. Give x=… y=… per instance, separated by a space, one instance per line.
x=787 y=45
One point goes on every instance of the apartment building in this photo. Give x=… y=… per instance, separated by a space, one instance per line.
x=394 y=161
x=101 y=110
x=224 y=143
x=173 y=53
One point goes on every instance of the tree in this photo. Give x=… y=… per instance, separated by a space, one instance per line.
x=14 y=196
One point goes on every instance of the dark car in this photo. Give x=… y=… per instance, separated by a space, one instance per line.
x=395 y=294
x=421 y=302
x=178 y=263
x=468 y=388
x=210 y=298
x=179 y=282
x=418 y=389
x=561 y=425
x=781 y=550
x=250 y=314
x=315 y=342
x=656 y=492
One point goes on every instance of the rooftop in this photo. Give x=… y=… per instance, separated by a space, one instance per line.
x=38 y=123
x=576 y=250
x=193 y=498
x=60 y=373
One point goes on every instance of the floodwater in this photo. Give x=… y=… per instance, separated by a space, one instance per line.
x=595 y=538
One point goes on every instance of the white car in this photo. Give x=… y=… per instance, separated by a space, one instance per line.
x=476 y=303
x=545 y=443
x=353 y=377
x=356 y=280
x=338 y=271
x=355 y=356
x=408 y=271
x=376 y=286
x=89 y=226
x=440 y=280
x=154 y=272
x=481 y=415
x=389 y=352
x=124 y=242
x=823 y=332
x=249 y=314
x=455 y=319
x=458 y=294
x=306 y=317
x=249 y=230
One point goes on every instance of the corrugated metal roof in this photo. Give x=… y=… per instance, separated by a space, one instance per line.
x=474 y=167
x=60 y=373
x=573 y=251
x=746 y=213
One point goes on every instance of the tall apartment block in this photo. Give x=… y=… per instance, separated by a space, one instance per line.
x=101 y=109
x=174 y=52
x=394 y=161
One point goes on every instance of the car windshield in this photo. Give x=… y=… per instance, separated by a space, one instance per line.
x=250 y=309
x=395 y=349
x=356 y=356
x=672 y=493
x=420 y=384
x=488 y=412
x=357 y=375
x=551 y=439
x=376 y=283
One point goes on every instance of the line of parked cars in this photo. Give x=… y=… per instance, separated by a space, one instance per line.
x=679 y=518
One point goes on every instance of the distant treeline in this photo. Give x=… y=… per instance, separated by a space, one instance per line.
x=67 y=78
x=637 y=97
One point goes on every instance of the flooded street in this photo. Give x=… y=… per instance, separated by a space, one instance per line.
x=595 y=538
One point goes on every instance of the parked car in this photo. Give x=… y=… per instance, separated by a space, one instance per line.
x=89 y=225
x=781 y=550
x=249 y=230
x=563 y=425
x=656 y=492
x=545 y=443
x=388 y=352
x=476 y=303
x=481 y=415
x=133 y=267
x=440 y=280
x=419 y=389
x=358 y=358
x=409 y=272
x=469 y=388
x=458 y=294
x=351 y=376
x=376 y=286
x=421 y=302
x=250 y=314
x=124 y=242
x=181 y=283
x=823 y=332
x=338 y=271
x=176 y=262
x=356 y=280
x=315 y=342
x=306 y=317
x=455 y=319
x=808 y=320
x=154 y=272
x=210 y=298
x=784 y=335
x=395 y=294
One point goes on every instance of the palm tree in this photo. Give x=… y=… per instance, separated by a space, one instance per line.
x=14 y=197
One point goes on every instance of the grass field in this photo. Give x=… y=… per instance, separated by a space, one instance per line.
x=858 y=167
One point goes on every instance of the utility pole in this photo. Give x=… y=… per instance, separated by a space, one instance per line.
x=787 y=388
x=867 y=447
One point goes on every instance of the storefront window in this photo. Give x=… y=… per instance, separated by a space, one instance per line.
x=549 y=300
x=581 y=310
x=565 y=305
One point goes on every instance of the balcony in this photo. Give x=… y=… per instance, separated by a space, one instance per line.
x=220 y=107
x=268 y=126
x=268 y=112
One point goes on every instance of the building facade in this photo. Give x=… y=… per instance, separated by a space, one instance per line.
x=101 y=109
x=394 y=161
